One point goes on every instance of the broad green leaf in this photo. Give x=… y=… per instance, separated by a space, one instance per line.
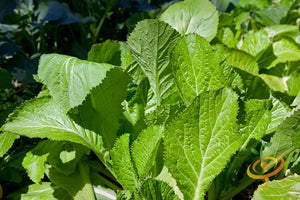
x=286 y=50
x=69 y=79
x=43 y=118
x=253 y=128
x=157 y=190
x=274 y=82
x=126 y=57
x=101 y=111
x=272 y=15
x=243 y=61
x=195 y=67
x=278 y=112
x=78 y=184
x=123 y=165
x=200 y=142
x=286 y=137
x=6 y=141
x=151 y=44
x=256 y=42
x=288 y=188
x=144 y=149
x=282 y=30
x=35 y=160
x=44 y=191
x=106 y=52
x=65 y=156
x=193 y=16
x=226 y=36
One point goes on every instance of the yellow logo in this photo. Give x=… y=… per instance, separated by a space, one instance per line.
x=255 y=173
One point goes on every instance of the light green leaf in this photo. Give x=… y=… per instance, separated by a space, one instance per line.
x=64 y=156
x=144 y=149
x=286 y=50
x=78 y=184
x=35 y=160
x=278 y=112
x=226 y=36
x=255 y=43
x=69 y=79
x=101 y=111
x=151 y=44
x=282 y=30
x=157 y=190
x=106 y=52
x=44 y=191
x=43 y=118
x=288 y=188
x=286 y=137
x=195 y=67
x=193 y=16
x=274 y=82
x=6 y=141
x=243 y=61
x=200 y=142
x=123 y=165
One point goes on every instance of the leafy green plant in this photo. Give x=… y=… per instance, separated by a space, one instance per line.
x=179 y=111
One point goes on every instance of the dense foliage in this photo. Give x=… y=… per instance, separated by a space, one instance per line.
x=178 y=111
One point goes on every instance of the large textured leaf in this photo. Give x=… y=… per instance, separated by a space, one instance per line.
x=144 y=149
x=6 y=141
x=44 y=191
x=196 y=69
x=78 y=184
x=201 y=140
x=193 y=16
x=69 y=79
x=101 y=111
x=122 y=164
x=286 y=137
x=43 y=118
x=157 y=190
x=151 y=44
x=288 y=188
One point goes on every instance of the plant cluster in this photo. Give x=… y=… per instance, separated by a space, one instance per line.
x=178 y=111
